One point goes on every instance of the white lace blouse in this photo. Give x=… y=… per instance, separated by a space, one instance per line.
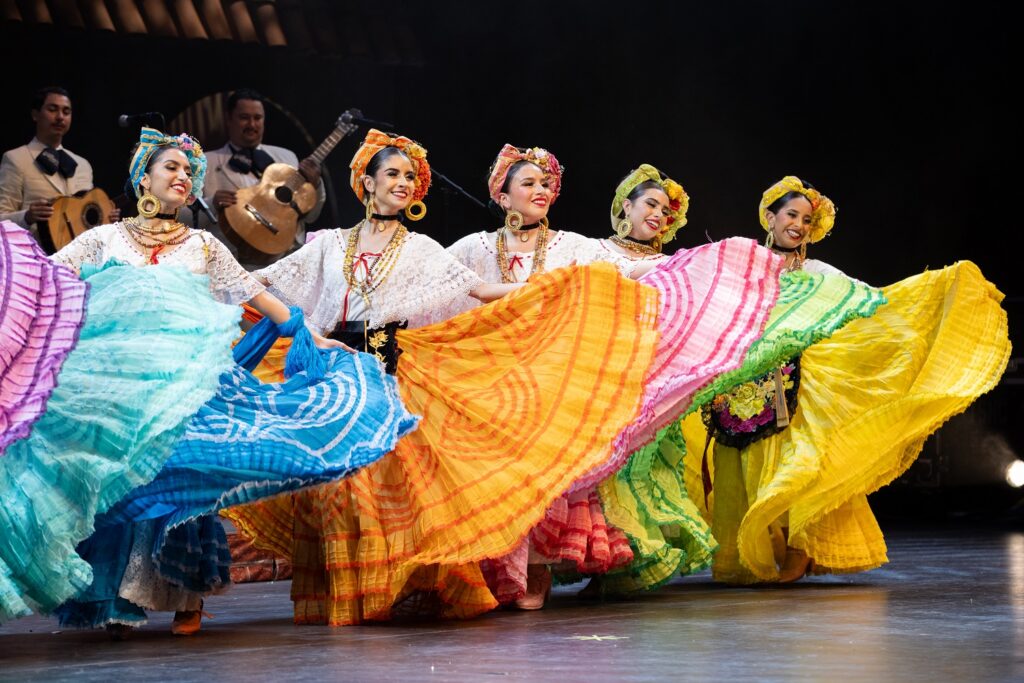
x=201 y=253
x=423 y=281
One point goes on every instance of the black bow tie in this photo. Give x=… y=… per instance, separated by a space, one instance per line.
x=52 y=160
x=249 y=160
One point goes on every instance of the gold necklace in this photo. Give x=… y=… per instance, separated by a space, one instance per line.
x=635 y=247
x=377 y=273
x=146 y=237
x=540 y=250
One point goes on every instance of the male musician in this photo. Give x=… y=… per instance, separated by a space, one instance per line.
x=34 y=175
x=241 y=162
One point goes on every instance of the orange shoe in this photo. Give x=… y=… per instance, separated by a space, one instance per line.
x=796 y=566
x=188 y=623
x=538 y=587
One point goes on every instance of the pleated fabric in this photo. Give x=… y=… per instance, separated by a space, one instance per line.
x=42 y=308
x=714 y=303
x=150 y=354
x=648 y=498
x=869 y=397
x=518 y=398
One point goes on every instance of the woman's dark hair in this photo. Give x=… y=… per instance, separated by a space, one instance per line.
x=777 y=205
x=494 y=206
x=39 y=96
x=378 y=159
x=128 y=189
x=643 y=187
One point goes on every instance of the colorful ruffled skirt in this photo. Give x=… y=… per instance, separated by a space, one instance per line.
x=714 y=303
x=42 y=307
x=649 y=497
x=146 y=360
x=519 y=398
x=161 y=548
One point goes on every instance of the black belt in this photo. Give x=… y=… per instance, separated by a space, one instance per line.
x=379 y=341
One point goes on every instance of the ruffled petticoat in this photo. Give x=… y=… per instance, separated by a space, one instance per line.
x=519 y=399
x=869 y=397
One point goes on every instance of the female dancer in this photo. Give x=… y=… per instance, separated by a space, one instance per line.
x=714 y=301
x=157 y=441
x=496 y=388
x=793 y=499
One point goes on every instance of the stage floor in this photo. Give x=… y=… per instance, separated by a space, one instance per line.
x=949 y=606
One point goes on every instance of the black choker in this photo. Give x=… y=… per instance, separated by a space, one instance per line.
x=381 y=217
x=531 y=226
x=167 y=216
x=785 y=250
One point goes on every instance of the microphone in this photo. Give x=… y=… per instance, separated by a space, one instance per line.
x=356 y=116
x=205 y=208
x=126 y=120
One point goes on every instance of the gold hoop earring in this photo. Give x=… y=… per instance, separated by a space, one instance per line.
x=623 y=228
x=513 y=220
x=656 y=243
x=416 y=211
x=769 y=240
x=148 y=205
x=369 y=212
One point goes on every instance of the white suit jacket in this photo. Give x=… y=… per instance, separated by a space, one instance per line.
x=22 y=182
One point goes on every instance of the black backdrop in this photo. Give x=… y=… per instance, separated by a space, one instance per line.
x=901 y=112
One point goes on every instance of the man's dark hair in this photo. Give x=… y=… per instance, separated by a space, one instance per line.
x=243 y=94
x=39 y=96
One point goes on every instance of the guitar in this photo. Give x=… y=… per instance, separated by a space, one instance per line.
x=72 y=216
x=266 y=216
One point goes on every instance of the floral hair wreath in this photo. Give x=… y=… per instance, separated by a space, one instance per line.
x=678 y=200
x=376 y=141
x=823 y=215
x=150 y=141
x=509 y=156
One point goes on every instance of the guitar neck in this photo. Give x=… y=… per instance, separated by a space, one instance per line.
x=328 y=145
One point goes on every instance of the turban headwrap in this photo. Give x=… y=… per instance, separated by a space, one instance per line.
x=509 y=155
x=678 y=200
x=151 y=141
x=823 y=211
x=376 y=141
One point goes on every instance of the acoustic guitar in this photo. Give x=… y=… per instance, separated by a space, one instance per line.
x=266 y=216
x=72 y=216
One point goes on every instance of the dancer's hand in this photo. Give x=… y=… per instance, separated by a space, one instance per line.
x=325 y=343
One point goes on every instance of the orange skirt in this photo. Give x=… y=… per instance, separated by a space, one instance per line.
x=519 y=398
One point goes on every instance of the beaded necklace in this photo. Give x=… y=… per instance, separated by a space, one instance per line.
x=540 y=251
x=635 y=247
x=145 y=237
x=377 y=273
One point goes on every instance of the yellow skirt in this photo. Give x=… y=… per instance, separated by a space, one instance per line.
x=869 y=397
x=518 y=399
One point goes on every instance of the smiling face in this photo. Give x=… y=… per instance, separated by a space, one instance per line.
x=169 y=178
x=245 y=123
x=791 y=225
x=392 y=183
x=528 y=191
x=648 y=213
x=53 y=119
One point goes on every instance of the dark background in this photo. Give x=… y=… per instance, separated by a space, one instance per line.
x=900 y=112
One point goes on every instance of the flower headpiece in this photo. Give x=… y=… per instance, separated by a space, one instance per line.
x=678 y=200
x=509 y=155
x=823 y=215
x=150 y=141
x=376 y=141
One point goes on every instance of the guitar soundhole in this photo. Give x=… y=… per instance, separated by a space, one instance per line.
x=92 y=216
x=283 y=194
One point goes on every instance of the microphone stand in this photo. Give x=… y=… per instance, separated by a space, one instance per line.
x=448 y=188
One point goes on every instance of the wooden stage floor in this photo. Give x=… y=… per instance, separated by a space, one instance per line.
x=949 y=607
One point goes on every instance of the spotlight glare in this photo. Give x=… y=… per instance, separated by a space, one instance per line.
x=1015 y=474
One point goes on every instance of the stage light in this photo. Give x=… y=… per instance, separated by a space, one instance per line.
x=1015 y=474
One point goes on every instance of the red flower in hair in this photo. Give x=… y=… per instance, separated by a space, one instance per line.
x=674 y=204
